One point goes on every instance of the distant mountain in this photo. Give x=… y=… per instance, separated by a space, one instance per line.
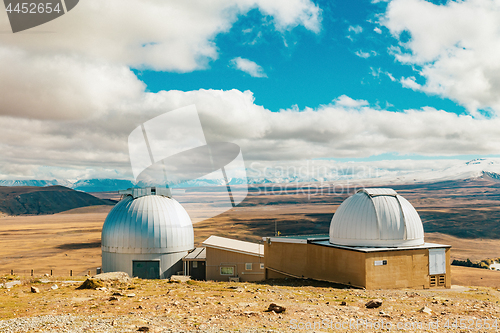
x=32 y=200
x=478 y=168
x=102 y=185
x=38 y=183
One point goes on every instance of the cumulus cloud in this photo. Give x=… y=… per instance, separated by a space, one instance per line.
x=346 y=128
x=69 y=69
x=62 y=87
x=455 y=46
x=410 y=82
x=248 y=66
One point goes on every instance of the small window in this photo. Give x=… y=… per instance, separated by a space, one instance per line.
x=248 y=266
x=227 y=271
x=195 y=264
x=262 y=266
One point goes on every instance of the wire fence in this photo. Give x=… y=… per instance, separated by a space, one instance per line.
x=40 y=272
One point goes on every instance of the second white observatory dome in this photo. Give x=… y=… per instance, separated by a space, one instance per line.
x=376 y=217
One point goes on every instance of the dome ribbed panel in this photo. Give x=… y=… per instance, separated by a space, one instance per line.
x=390 y=217
x=149 y=224
x=378 y=218
x=355 y=218
x=414 y=227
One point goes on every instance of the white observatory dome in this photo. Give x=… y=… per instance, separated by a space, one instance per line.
x=376 y=217
x=146 y=231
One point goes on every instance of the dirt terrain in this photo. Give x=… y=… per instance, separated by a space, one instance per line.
x=163 y=306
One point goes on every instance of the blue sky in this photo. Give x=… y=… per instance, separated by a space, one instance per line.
x=287 y=81
x=308 y=69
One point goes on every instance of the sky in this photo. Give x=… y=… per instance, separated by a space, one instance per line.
x=411 y=82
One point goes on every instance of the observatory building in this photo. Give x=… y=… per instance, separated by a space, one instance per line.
x=376 y=241
x=146 y=234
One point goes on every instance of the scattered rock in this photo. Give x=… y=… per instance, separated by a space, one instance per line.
x=384 y=315
x=117 y=294
x=143 y=329
x=374 y=303
x=54 y=287
x=130 y=295
x=343 y=303
x=10 y=284
x=275 y=308
x=113 y=298
x=35 y=290
x=426 y=310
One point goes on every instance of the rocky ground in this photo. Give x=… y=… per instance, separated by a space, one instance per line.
x=192 y=306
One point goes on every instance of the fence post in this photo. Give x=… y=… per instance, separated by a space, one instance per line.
x=71 y=273
x=50 y=272
x=89 y=273
x=31 y=272
x=11 y=272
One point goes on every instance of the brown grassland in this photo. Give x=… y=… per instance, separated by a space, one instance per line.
x=465 y=215
x=452 y=212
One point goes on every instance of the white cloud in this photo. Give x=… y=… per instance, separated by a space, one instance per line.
x=69 y=69
x=357 y=29
x=62 y=87
x=410 y=82
x=248 y=67
x=365 y=55
x=456 y=46
x=162 y=35
x=377 y=30
x=346 y=128
x=362 y=54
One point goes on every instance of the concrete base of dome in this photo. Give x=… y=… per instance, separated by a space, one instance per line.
x=169 y=263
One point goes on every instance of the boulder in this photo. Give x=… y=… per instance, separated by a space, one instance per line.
x=113 y=277
x=180 y=278
x=374 y=303
x=91 y=283
x=106 y=280
x=35 y=290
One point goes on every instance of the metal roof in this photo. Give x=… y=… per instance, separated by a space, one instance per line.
x=148 y=224
x=197 y=254
x=376 y=217
x=234 y=245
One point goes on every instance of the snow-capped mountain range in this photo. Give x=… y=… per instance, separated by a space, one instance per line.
x=478 y=168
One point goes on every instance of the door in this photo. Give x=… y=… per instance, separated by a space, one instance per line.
x=197 y=270
x=146 y=269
